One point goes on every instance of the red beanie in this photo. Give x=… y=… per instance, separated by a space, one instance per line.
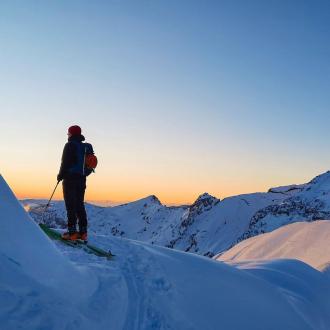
x=74 y=130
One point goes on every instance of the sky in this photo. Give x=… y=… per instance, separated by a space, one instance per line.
x=178 y=97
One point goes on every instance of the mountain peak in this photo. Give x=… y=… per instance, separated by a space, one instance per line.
x=206 y=198
x=204 y=201
x=152 y=199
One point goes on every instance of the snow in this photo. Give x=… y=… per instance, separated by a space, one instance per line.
x=26 y=303
x=305 y=241
x=24 y=245
x=305 y=288
x=200 y=294
x=285 y=258
x=146 y=287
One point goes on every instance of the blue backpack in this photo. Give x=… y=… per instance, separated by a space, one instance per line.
x=83 y=150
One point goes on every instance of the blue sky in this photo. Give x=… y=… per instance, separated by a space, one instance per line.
x=178 y=96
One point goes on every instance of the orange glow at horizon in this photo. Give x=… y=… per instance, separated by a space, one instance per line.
x=175 y=177
x=99 y=191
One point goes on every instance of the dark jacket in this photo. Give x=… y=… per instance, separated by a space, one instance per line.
x=69 y=158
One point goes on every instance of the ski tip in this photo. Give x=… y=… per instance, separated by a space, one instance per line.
x=108 y=255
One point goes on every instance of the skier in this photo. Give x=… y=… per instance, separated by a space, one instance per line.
x=73 y=172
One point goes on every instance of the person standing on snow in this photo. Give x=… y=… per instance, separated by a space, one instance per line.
x=73 y=171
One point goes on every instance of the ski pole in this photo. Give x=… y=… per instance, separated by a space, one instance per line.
x=51 y=197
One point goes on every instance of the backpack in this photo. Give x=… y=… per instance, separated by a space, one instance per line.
x=86 y=160
x=90 y=159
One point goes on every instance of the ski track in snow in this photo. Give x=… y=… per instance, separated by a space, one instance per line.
x=142 y=284
x=142 y=277
x=137 y=275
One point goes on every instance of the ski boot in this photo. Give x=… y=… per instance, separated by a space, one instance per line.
x=70 y=236
x=83 y=237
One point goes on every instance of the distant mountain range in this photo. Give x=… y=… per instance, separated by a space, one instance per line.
x=209 y=226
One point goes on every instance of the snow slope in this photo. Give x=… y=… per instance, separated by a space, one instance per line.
x=148 y=287
x=308 y=242
x=306 y=289
x=270 y=257
x=16 y=247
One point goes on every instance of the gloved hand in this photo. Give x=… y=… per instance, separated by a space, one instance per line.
x=59 y=177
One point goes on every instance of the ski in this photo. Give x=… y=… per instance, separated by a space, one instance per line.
x=55 y=235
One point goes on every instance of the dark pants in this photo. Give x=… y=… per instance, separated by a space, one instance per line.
x=74 y=194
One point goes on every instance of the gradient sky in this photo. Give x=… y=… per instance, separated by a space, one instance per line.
x=178 y=97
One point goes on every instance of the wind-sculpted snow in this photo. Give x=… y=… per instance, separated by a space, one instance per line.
x=23 y=243
x=306 y=241
x=306 y=289
x=26 y=303
x=270 y=255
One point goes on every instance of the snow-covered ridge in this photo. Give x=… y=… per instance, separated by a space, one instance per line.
x=310 y=203
x=287 y=189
